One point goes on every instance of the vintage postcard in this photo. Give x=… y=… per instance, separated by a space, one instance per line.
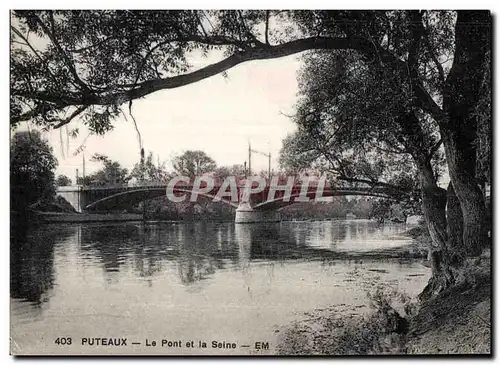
x=250 y=182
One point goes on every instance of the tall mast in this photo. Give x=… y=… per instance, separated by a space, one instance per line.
x=269 y=166
x=249 y=159
x=83 y=169
x=269 y=155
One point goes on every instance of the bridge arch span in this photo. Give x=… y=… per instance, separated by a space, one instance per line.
x=278 y=202
x=130 y=198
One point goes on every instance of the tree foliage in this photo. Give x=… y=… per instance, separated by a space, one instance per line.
x=236 y=170
x=424 y=87
x=32 y=166
x=89 y=63
x=67 y=64
x=484 y=129
x=111 y=173
x=345 y=129
x=193 y=163
x=63 y=180
x=149 y=171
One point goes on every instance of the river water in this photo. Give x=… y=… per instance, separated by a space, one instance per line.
x=185 y=284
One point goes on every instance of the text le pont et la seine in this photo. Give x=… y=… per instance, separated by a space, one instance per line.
x=125 y=342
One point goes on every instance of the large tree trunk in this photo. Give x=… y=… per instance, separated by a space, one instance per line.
x=459 y=127
x=454 y=218
x=461 y=157
x=433 y=208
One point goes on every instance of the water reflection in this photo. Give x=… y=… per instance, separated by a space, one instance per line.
x=32 y=261
x=197 y=251
x=191 y=280
x=266 y=241
x=200 y=249
x=202 y=252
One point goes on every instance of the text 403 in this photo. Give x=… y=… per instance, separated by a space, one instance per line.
x=63 y=341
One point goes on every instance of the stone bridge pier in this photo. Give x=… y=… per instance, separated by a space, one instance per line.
x=249 y=212
x=246 y=214
x=73 y=195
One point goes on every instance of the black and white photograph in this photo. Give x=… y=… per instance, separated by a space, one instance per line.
x=250 y=182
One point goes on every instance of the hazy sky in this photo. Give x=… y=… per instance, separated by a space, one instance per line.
x=217 y=115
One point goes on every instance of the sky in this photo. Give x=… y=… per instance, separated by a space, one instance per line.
x=217 y=115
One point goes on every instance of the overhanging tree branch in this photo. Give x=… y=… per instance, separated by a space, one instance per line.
x=73 y=115
x=257 y=52
x=282 y=50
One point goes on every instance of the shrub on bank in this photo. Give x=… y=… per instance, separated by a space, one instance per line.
x=58 y=204
x=380 y=332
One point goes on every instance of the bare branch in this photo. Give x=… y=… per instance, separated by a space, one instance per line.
x=434 y=149
x=286 y=115
x=256 y=53
x=73 y=115
x=135 y=125
x=266 y=33
x=20 y=35
x=200 y=23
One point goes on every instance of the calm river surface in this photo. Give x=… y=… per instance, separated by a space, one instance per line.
x=192 y=282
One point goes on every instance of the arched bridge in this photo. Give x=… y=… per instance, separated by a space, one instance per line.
x=122 y=197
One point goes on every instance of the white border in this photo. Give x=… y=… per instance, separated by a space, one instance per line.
x=186 y=4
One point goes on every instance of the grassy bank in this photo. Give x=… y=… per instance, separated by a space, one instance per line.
x=457 y=321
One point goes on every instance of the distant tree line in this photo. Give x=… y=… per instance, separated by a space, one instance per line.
x=33 y=185
x=32 y=166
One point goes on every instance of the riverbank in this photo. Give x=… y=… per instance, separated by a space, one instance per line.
x=457 y=321
x=56 y=217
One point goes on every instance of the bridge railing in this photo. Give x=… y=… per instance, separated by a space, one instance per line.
x=124 y=186
x=188 y=186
